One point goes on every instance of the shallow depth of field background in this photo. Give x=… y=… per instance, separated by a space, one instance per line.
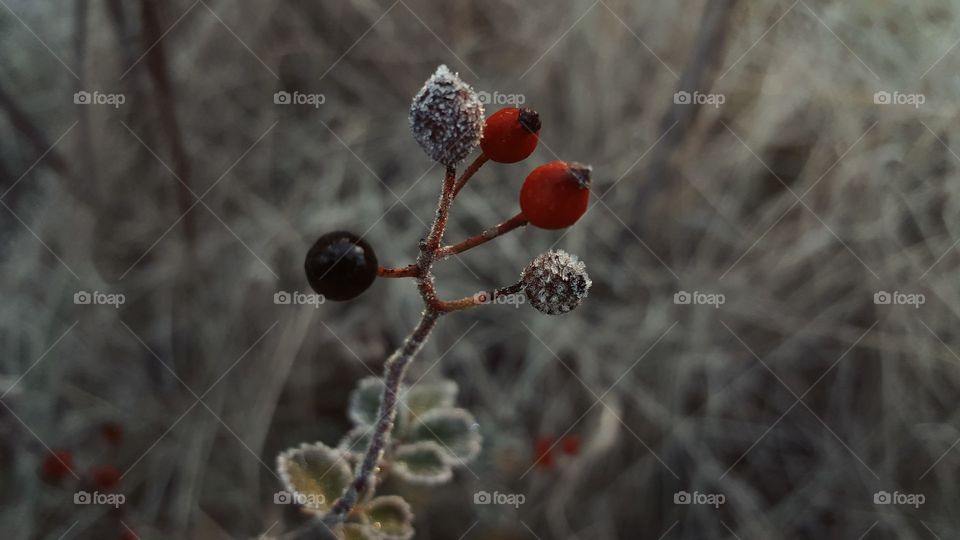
x=798 y=199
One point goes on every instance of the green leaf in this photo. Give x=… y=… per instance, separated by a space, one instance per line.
x=453 y=429
x=421 y=463
x=364 y=405
x=423 y=397
x=315 y=475
x=391 y=517
x=358 y=531
x=356 y=440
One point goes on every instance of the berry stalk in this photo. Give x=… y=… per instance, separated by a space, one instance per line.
x=469 y=172
x=412 y=270
x=515 y=222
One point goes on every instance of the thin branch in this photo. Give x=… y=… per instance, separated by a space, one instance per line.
x=469 y=172
x=515 y=222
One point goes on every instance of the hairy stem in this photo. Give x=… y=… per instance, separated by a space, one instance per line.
x=394 y=370
x=469 y=172
x=515 y=222
x=396 y=365
x=413 y=270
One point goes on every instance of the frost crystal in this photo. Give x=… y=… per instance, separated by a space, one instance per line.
x=446 y=117
x=555 y=282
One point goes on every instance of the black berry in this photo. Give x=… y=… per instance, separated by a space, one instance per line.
x=340 y=265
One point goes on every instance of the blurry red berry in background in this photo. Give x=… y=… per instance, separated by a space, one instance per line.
x=112 y=432
x=555 y=195
x=542 y=447
x=510 y=135
x=57 y=465
x=128 y=534
x=570 y=445
x=106 y=477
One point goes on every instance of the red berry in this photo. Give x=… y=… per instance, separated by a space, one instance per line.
x=542 y=447
x=571 y=445
x=112 y=432
x=57 y=466
x=510 y=135
x=128 y=534
x=106 y=477
x=556 y=194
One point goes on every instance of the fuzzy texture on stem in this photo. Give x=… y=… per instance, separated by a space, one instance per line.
x=515 y=222
x=394 y=369
x=396 y=366
x=469 y=172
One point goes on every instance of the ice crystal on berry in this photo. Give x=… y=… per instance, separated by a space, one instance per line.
x=446 y=117
x=555 y=282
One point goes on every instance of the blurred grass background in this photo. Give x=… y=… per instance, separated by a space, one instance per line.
x=798 y=199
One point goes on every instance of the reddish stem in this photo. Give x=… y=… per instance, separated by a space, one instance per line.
x=401 y=272
x=413 y=270
x=515 y=222
x=469 y=172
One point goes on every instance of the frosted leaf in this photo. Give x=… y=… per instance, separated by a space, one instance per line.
x=358 y=531
x=421 y=463
x=356 y=440
x=315 y=475
x=423 y=397
x=453 y=430
x=446 y=117
x=555 y=282
x=364 y=406
x=390 y=516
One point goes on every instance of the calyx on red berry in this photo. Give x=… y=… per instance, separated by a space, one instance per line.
x=555 y=195
x=510 y=135
x=340 y=265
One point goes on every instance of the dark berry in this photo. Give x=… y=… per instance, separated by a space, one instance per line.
x=340 y=266
x=57 y=466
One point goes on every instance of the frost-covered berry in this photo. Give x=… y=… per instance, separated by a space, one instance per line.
x=340 y=266
x=555 y=282
x=446 y=117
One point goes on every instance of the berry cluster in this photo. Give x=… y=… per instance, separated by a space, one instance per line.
x=447 y=120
